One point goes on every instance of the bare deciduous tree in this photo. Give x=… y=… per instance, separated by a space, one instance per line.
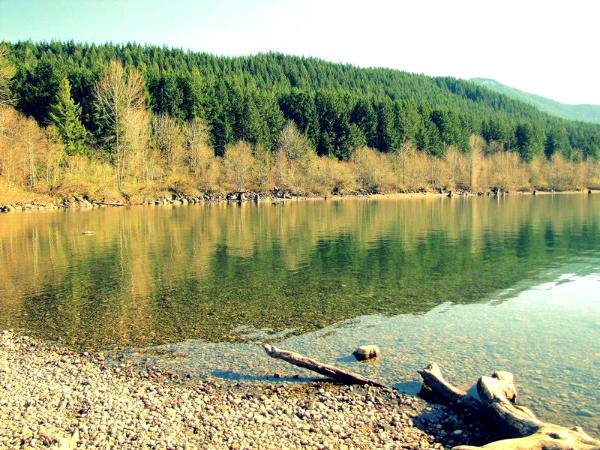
x=119 y=97
x=138 y=161
x=476 y=143
x=196 y=139
x=170 y=140
x=7 y=72
x=238 y=163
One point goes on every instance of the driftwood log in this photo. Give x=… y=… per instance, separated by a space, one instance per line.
x=335 y=373
x=495 y=397
x=109 y=203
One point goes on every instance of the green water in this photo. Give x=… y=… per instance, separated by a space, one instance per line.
x=475 y=284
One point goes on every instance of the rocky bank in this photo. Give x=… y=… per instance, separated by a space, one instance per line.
x=54 y=397
x=178 y=198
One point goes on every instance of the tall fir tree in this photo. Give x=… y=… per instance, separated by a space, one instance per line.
x=364 y=116
x=530 y=141
x=66 y=115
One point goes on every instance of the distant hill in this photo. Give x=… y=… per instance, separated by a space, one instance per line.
x=584 y=113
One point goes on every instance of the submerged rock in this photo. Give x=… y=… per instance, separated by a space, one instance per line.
x=365 y=352
x=584 y=413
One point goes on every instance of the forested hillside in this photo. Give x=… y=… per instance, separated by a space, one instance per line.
x=131 y=120
x=340 y=107
x=584 y=113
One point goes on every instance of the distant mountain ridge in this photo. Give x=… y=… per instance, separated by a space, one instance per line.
x=584 y=113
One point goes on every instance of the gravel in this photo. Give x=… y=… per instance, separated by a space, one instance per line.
x=54 y=397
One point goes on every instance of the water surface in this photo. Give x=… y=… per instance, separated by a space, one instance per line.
x=474 y=284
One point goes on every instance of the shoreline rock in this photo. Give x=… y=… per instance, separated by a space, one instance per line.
x=366 y=352
x=276 y=195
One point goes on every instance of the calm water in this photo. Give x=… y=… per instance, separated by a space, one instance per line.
x=474 y=284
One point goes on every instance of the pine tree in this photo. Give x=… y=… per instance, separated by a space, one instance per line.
x=363 y=116
x=37 y=89
x=387 y=138
x=409 y=122
x=299 y=106
x=66 y=115
x=557 y=140
x=530 y=141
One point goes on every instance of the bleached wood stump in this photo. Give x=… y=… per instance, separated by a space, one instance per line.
x=497 y=395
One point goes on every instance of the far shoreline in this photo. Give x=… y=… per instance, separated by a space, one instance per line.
x=82 y=202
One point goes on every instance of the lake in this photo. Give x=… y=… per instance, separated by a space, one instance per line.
x=474 y=284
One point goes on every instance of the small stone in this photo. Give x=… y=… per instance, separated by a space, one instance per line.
x=365 y=352
x=457 y=432
x=584 y=413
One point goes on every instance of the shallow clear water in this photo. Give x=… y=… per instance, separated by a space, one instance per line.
x=473 y=284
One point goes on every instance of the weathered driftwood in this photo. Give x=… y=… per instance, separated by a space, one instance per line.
x=335 y=373
x=496 y=396
x=109 y=203
x=434 y=382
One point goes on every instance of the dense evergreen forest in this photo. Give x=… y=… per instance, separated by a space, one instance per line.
x=339 y=107
x=143 y=122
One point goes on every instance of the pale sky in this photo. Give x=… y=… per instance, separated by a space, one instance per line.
x=548 y=47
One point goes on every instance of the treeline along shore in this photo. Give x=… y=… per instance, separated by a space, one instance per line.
x=119 y=125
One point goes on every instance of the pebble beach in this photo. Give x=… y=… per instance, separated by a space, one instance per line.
x=53 y=397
